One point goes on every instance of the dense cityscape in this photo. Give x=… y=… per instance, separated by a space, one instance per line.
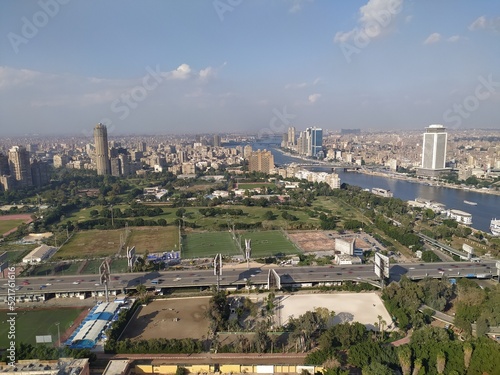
x=249 y=187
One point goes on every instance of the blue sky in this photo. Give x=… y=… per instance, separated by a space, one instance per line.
x=191 y=66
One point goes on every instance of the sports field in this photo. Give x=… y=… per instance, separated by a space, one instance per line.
x=348 y=307
x=170 y=318
x=208 y=244
x=91 y=244
x=268 y=243
x=31 y=323
x=9 y=223
x=153 y=239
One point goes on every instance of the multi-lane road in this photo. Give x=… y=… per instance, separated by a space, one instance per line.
x=238 y=278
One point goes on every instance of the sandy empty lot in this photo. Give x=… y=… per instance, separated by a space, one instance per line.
x=312 y=241
x=170 y=318
x=349 y=307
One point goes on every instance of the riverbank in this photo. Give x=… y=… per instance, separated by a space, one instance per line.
x=395 y=176
x=416 y=180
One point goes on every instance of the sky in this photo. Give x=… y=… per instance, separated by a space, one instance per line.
x=207 y=66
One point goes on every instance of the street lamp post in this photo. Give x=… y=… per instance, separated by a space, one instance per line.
x=58 y=334
x=112 y=217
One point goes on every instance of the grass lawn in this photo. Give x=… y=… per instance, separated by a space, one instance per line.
x=208 y=244
x=268 y=243
x=92 y=266
x=6 y=225
x=43 y=270
x=91 y=244
x=119 y=265
x=31 y=323
x=153 y=239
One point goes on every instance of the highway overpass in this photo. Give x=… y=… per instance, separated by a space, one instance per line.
x=84 y=286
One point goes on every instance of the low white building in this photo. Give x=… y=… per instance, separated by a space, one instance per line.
x=343 y=259
x=39 y=254
x=344 y=246
x=461 y=217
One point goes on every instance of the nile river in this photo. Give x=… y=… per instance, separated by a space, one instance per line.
x=488 y=206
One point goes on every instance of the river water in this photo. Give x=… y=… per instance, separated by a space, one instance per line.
x=488 y=205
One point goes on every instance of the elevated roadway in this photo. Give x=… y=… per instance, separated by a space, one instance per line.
x=235 y=278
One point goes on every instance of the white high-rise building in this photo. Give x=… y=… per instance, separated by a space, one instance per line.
x=434 y=147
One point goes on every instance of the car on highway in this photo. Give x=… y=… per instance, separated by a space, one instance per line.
x=26 y=282
x=76 y=282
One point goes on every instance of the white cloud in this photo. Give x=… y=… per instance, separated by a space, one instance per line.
x=479 y=23
x=433 y=38
x=482 y=23
x=206 y=73
x=375 y=19
x=10 y=77
x=182 y=72
x=302 y=85
x=454 y=38
x=313 y=98
x=297 y=5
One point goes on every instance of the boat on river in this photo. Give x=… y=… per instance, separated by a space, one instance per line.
x=495 y=227
x=470 y=203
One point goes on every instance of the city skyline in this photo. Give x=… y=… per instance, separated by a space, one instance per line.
x=205 y=67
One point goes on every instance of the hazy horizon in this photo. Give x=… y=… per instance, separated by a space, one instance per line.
x=188 y=67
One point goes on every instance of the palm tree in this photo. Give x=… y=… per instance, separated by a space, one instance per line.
x=440 y=362
x=404 y=356
x=417 y=366
x=467 y=354
x=383 y=323
x=248 y=285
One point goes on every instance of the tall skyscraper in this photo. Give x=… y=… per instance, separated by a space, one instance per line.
x=434 y=147
x=40 y=173
x=291 y=136
x=315 y=141
x=4 y=165
x=216 y=140
x=19 y=165
x=261 y=161
x=101 y=149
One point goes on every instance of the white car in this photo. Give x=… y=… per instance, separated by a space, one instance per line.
x=76 y=282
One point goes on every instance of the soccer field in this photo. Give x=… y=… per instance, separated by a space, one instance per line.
x=91 y=244
x=153 y=239
x=31 y=323
x=268 y=243
x=208 y=244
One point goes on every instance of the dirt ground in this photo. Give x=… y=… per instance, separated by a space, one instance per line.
x=348 y=307
x=171 y=318
x=312 y=241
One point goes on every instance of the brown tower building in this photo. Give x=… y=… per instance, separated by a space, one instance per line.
x=101 y=150
x=261 y=161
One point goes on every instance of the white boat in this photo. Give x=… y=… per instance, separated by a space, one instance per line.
x=470 y=203
x=495 y=227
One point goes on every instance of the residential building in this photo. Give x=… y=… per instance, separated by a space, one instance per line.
x=19 y=166
x=261 y=161
x=101 y=150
